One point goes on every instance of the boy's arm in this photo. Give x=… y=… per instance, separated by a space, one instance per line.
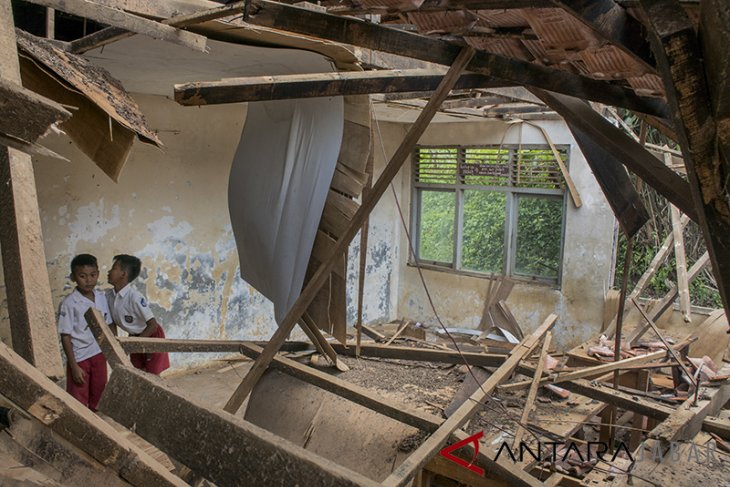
x=151 y=327
x=77 y=374
x=113 y=328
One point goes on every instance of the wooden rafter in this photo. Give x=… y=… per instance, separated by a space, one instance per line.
x=258 y=88
x=121 y=19
x=632 y=154
x=623 y=198
x=356 y=32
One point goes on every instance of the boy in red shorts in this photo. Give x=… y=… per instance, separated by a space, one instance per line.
x=132 y=313
x=86 y=372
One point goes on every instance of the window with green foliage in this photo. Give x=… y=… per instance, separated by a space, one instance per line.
x=490 y=209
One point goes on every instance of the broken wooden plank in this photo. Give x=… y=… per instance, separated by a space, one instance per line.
x=177 y=345
x=27 y=286
x=660 y=257
x=123 y=20
x=366 y=34
x=687 y=420
x=27 y=115
x=402 y=474
x=113 y=351
x=217 y=445
x=712 y=337
x=574 y=195
x=473 y=378
x=319 y=278
x=54 y=456
x=670 y=349
x=669 y=298
x=172 y=345
x=588 y=372
x=532 y=393
x=285 y=87
x=30 y=390
x=679 y=255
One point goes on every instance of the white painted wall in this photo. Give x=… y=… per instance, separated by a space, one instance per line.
x=587 y=258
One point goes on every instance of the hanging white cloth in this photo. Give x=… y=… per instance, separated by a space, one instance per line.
x=281 y=173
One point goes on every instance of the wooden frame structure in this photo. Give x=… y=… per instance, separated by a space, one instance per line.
x=694 y=110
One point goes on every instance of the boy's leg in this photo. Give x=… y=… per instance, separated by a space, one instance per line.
x=139 y=360
x=155 y=363
x=80 y=392
x=97 y=380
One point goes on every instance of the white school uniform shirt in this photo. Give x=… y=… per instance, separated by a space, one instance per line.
x=71 y=321
x=130 y=310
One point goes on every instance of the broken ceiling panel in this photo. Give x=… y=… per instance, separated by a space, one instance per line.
x=106 y=120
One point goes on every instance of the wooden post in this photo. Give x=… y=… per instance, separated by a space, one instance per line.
x=679 y=254
x=113 y=351
x=658 y=260
x=611 y=415
x=369 y=168
x=28 y=288
x=320 y=276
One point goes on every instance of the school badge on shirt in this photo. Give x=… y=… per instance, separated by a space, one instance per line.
x=128 y=318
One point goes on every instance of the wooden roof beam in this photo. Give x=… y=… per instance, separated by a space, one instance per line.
x=680 y=61
x=259 y=88
x=632 y=154
x=357 y=32
x=123 y=20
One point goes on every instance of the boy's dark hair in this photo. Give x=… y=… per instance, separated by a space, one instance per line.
x=82 y=260
x=131 y=265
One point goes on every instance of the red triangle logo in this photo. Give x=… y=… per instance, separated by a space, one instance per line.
x=446 y=453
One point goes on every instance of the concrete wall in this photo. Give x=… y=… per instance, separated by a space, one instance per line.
x=170 y=209
x=587 y=255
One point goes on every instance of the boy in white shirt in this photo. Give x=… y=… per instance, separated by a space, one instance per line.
x=131 y=312
x=86 y=372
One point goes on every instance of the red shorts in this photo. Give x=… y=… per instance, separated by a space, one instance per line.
x=89 y=393
x=154 y=363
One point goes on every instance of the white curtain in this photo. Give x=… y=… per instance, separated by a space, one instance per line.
x=277 y=189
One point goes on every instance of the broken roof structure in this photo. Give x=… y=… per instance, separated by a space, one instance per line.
x=320 y=107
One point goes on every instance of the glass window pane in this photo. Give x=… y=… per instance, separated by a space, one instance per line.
x=483 y=233
x=436 y=228
x=539 y=227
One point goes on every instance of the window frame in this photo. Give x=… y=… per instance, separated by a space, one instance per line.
x=512 y=196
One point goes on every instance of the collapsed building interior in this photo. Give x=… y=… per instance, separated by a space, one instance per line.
x=391 y=242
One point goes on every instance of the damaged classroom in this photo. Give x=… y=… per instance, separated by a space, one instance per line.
x=421 y=243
